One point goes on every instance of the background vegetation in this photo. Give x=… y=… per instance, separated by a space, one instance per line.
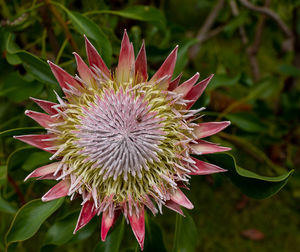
x=253 y=47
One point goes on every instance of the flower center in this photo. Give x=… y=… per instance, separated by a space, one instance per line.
x=120 y=134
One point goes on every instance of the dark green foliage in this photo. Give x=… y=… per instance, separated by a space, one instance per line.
x=262 y=105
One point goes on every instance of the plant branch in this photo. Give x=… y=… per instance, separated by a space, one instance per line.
x=235 y=12
x=252 y=50
x=63 y=24
x=208 y=23
x=266 y=11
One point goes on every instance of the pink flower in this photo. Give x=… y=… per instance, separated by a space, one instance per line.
x=121 y=141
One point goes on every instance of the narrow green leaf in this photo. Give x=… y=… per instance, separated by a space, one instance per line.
x=29 y=218
x=153 y=238
x=62 y=231
x=113 y=239
x=86 y=26
x=250 y=183
x=139 y=12
x=185 y=234
x=34 y=65
x=20 y=131
x=182 y=57
x=6 y=207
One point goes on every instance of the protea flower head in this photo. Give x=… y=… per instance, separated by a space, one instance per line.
x=123 y=141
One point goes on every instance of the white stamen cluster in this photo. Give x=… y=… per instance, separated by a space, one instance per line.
x=120 y=134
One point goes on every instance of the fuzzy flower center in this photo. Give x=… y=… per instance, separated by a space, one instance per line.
x=120 y=134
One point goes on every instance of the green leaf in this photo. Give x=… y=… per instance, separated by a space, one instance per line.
x=21 y=131
x=18 y=89
x=185 y=239
x=289 y=70
x=62 y=231
x=29 y=218
x=153 y=238
x=6 y=207
x=18 y=157
x=139 y=12
x=182 y=57
x=246 y=121
x=250 y=183
x=34 y=65
x=3 y=174
x=113 y=239
x=84 y=25
x=36 y=159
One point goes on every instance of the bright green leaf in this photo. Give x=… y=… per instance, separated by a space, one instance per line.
x=113 y=239
x=29 y=218
x=185 y=234
x=250 y=183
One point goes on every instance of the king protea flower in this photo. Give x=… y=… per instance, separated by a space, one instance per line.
x=123 y=141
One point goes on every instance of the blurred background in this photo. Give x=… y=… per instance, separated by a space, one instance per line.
x=252 y=47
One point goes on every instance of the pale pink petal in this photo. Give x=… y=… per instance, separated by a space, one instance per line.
x=179 y=198
x=39 y=141
x=186 y=86
x=197 y=91
x=125 y=69
x=174 y=206
x=59 y=190
x=94 y=58
x=42 y=119
x=148 y=203
x=49 y=176
x=210 y=128
x=167 y=68
x=82 y=68
x=204 y=147
x=46 y=105
x=204 y=168
x=141 y=74
x=88 y=211
x=107 y=222
x=44 y=170
x=64 y=79
x=138 y=226
x=174 y=83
